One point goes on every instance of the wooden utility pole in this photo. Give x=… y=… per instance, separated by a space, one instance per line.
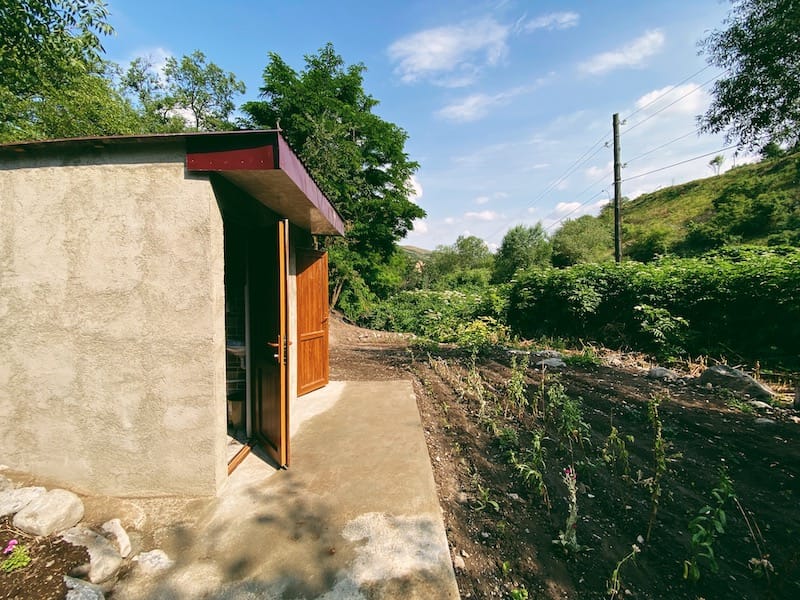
x=617 y=192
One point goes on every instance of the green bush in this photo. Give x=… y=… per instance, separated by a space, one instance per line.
x=738 y=302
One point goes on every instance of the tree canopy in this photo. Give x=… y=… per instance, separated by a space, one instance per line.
x=356 y=157
x=757 y=100
x=187 y=93
x=522 y=247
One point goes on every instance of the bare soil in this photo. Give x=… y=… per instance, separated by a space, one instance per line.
x=43 y=578
x=503 y=530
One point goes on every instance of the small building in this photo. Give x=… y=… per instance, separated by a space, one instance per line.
x=161 y=306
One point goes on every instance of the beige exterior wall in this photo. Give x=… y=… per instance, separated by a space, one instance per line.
x=112 y=324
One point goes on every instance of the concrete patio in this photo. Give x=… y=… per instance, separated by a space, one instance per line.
x=355 y=517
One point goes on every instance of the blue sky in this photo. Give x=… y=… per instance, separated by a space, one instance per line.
x=507 y=103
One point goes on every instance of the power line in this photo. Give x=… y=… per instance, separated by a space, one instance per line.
x=678 y=163
x=576 y=164
x=672 y=87
x=677 y=139
x=662 y=109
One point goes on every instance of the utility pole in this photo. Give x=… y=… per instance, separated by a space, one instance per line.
x=617 y=193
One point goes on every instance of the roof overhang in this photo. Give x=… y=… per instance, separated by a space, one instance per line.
x=259 y=162
x=263 y=165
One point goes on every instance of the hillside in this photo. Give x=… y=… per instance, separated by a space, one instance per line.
x=750 y=204
x=416 y=254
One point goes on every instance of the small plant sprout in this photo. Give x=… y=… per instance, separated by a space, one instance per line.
x=615 y=452
x=484 y=500
x=515 y=390
x=614 y=586
x=661 y=458
x=706 y=526
x=18 y=557
x=568 y=539
x=519 y=593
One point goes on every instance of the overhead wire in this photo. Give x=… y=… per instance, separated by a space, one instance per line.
x=663 y=108
x=664 y=145
x=680 y=162
x=661 y=95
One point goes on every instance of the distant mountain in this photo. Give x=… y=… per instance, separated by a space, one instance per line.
x=417 y=253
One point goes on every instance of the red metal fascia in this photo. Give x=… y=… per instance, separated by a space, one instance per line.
x=247 y=159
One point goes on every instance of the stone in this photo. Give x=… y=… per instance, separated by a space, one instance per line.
x=78 y=589
x=153 y=561
x=115 y=528
x=552 y=363
x=758 y=404
x=458 y=563
x=543 y=354
x=12 y=501
x=104 y=560
x=765 y=421
x=5 y=484
x=663 y=374
x=734 y=379
x=53 y=511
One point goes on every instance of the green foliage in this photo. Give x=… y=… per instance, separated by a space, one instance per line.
x=522 y=247
x=467 y=318
x=615 y=451
x=357 y=158
x=587 y=357
x=18 y=559
x=530 y=466
x=520 y=593
x=661 y=460
x=53 y=82
x=516 y=395
x=568 y=538
x=740 y=300
x=484 y=500
x=190 y=93
x=586 y=239
x=709 y=523
x=463 y=265
x=757 y=96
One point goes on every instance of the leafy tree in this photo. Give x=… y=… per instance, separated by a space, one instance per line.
x=760 y=94
x=522 y=247
x=466 y=263
x=190 y=92
x=48 y=40
x=357 y=158
x=716 y=163
x=583 y=240
x=52 y=80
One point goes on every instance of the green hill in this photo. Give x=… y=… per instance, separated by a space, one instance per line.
x=417 y=254
x=757 y=204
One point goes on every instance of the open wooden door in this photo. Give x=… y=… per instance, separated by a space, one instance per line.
x=312 y=320
x=270 y=391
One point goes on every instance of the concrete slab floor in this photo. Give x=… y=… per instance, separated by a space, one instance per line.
x=355 y=517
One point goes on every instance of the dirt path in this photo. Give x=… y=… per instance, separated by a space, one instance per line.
x=501 y=526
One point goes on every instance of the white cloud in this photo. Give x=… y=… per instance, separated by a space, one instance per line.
x=477 y=106
x=419 y=226
x=633 y=54
x=451 y=55
x=558 y=20
x=566 y=207
x=484 y=215
x=594 y=172
x=687 y=99
x=416 y=189
x=449 y=221
x=481 y=199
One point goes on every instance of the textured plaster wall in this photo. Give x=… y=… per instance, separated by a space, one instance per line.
x=112 y=324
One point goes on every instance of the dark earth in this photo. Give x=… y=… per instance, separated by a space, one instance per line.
x=500 y=528
x=507 y=544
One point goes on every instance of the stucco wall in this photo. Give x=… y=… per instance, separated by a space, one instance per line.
x=112 y=323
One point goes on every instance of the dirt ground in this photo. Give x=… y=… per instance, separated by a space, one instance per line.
x=501 y=527
x=501 y=523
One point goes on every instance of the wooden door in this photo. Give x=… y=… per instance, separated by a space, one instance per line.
x=269 y=341
x=312 y=320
